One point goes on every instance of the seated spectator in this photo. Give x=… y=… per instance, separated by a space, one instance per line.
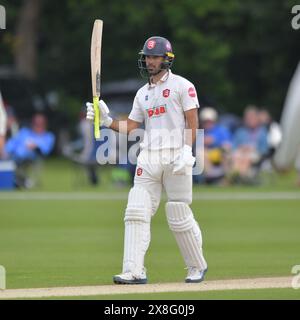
x=12 y=122
x=273 y=129
x=217 y=144
x=250 y=144
x=28 y=146
x=82 y=150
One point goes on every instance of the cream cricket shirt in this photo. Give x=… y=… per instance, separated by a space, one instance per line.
x=161 y=106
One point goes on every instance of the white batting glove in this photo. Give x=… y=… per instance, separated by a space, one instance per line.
x=183 y=161
x=106 y=120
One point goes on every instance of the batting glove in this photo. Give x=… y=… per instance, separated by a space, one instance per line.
x=106 y=120
x=183 y=161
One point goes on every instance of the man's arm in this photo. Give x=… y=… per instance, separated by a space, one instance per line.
x=124 y=126
x=192 y=122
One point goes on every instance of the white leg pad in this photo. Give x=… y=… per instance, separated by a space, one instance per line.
x=187 y=233
x=137 y=230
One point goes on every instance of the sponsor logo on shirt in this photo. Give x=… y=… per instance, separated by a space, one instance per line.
x=157 y=111
x=166 y=93
x=192 y=92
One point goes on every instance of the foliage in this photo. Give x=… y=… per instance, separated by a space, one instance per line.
x=237 y=52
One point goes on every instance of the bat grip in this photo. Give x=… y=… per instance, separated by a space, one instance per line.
x=97 y=118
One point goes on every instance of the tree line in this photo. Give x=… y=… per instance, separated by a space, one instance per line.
x=236 y=52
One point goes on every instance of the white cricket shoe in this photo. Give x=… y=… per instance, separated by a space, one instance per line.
x=130 y=278
x=195 y=275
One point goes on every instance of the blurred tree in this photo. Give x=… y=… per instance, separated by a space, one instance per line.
x=237 y=52
x=26 y=54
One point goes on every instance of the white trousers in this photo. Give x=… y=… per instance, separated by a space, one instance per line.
x=155 y=171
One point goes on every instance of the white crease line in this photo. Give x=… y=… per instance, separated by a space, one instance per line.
x=74 y=196
x=213 y=285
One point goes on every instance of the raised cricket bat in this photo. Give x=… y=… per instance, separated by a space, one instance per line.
x=96 y=45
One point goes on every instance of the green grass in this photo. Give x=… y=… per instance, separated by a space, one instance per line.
x=72 y=243
x=65 y=243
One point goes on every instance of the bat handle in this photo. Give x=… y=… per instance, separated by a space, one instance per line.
x=97 y=118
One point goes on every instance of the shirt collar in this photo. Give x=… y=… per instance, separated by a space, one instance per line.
x=163 y=79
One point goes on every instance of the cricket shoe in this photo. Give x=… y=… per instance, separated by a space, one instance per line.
x=130 y=278
x=195 y=275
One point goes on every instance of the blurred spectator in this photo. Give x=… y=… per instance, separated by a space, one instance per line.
x=3 y=123
x=217 y=145
x=230 y=121
x=83 y=150
x=250 y=144
x=28 y=147
x=273 y=129
x=12 y=122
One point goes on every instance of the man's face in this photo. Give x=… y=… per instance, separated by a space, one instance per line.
x=251 y=119
x=208 y=124
x=39 y=124
x=153 y=64
x=264 y=117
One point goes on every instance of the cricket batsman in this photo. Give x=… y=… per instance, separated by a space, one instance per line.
x=166 y=104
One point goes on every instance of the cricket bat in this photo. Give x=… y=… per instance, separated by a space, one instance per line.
x=96 y=44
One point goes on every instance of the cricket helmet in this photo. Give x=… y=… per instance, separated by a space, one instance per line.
x=156 y=46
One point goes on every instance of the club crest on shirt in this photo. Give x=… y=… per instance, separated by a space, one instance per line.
x=166 y=93
x=156 y=111
x=139 y=171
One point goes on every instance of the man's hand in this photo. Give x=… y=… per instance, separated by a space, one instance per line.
x=183 y=161
x=106 y=120
x=31 y=145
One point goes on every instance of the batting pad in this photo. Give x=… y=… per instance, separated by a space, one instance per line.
x=137 y=230
x=187 y=233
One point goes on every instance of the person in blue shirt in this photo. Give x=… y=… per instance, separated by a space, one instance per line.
x=30 y=145
x=217 y=144
x=215 y=135
x=250 y=143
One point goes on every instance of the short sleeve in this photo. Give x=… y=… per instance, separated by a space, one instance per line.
x=136 y=113
x=189 y=98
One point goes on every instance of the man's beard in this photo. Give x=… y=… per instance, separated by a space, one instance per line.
x=154 y=72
